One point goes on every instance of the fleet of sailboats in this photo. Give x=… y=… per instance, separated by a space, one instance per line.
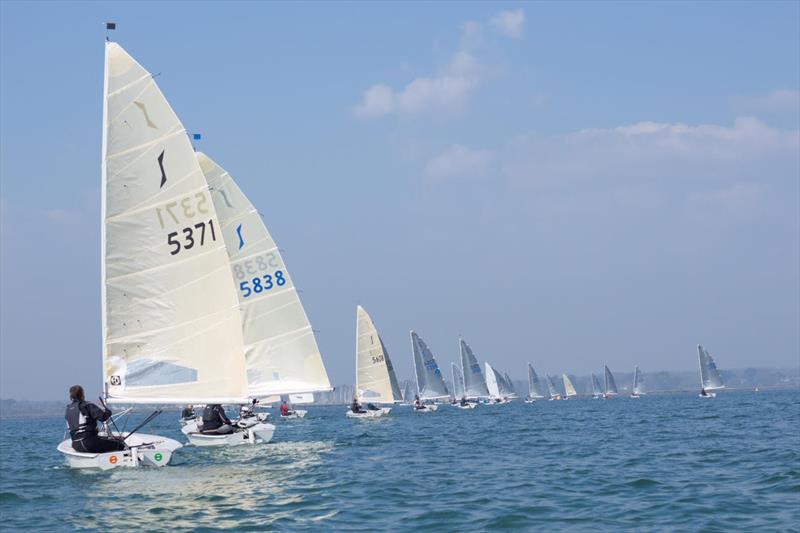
x=198 y=305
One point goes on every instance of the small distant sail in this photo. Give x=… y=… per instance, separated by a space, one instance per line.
x=430 y=382
x=375 y=377
x=493 y=380
x=569 y=388
x=512 y=392
x=709 y=375
x=408 y=392
x=474 y=382
x=458 y=381
x=611 y=385
x=534 y=385
x=596 y=388
x=638 y=381
x=551 y=387
x=280 y=347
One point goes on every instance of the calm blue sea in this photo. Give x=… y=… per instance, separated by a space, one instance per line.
x=661 y=462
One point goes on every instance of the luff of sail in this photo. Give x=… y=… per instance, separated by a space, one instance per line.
x=430 y=383
x=611 y=385
x=710 y=378
x=569 y=388
x=474 y=382
x=375 y=377
x=281 y=350
x=458 y=381
x=171 y=327
x=534 y=385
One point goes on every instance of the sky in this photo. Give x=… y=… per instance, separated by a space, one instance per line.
x=571 y=184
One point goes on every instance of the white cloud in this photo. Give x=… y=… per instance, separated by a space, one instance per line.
x=445 y=93
x=459 y=162
x=509 y=23
x=781 y=100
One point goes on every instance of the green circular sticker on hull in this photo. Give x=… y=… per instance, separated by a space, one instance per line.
x=158 y=456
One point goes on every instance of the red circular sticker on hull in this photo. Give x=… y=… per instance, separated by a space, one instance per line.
x=112 y=459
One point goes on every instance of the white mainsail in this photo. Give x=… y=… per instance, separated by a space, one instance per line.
x=281 y=350
x=430 y=383
x=551 y=386
x=474 y=382
x=534 y=385
x=638 y=381
x=458 y=381
x=709 y=375
x=596 y=389
x=495 y=382
x=611 y=385
x=375 y=377
x=171 y=325
x=569 y=388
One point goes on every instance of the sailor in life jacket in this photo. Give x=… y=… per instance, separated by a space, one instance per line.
x=215 y=420
x=82 y=418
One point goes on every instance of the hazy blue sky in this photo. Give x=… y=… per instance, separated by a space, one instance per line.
x=570 y=184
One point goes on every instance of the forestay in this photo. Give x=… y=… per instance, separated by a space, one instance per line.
x=171 y=327
x=280 y=347
x=611 y=385
x=430 y=383
x=710 y=378
x=375 y=377
x=534 y=385
x=474 y=382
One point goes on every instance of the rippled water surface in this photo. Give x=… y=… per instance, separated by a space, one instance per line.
x=661 y=462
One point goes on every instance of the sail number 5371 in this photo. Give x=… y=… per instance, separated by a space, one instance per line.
x=261 y=284
x=188 y=237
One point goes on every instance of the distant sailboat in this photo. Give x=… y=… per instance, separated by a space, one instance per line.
x=638 y=383
x=596 y=388
x=430 y=382
x=710 y=380
x=376 y=381
x=610 y=385
x=535 y=391
x=569 y=388
x=474 y=382
x=510 y=384
x=499 y=389
x=460 y=399
x=551 y=387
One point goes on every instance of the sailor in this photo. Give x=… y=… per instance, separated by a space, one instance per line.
x=417 y=402
x=188 y=412
x=215 y=420
x=356 y=407
x=285 y=411
x=463 y=401
x=703 y=392
x=82 y=418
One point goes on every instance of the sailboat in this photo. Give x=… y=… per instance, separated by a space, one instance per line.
x=569 y=388
x=710 y=380
x=610 y=389
x=430 y=383
x=458 y=389
x=376 y=381
x=638 y=383
x=535 y=391
x=551 y=388
x=281 y=353
x=408 y=393
x=474 y=382
x=499 y=389
x=509 y=385
x=596 y=388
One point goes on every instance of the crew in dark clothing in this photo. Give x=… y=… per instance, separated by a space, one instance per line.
x=463 y=401
x=215 y=420
x=356 y=407
x=703 y=392
x=188 y=412
x=372 y=407
x=82 y=418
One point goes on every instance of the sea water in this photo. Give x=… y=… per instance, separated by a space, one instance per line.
x=660 y=462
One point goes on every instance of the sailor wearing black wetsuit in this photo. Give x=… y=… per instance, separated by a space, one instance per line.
x=82 y=418
x=215 y=420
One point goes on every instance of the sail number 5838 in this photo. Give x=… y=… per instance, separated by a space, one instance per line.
x=261 y=284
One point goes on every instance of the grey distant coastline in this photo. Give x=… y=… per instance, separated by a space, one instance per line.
x=656 y=382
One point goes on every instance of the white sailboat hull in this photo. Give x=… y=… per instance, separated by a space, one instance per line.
x=374 y=413
x=254 y=434
x=297 y=413
x=708 y=395
x=468 y=405
x=144 y=450
x=426 y=408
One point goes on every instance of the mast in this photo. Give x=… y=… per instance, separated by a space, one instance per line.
x=103 y=172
